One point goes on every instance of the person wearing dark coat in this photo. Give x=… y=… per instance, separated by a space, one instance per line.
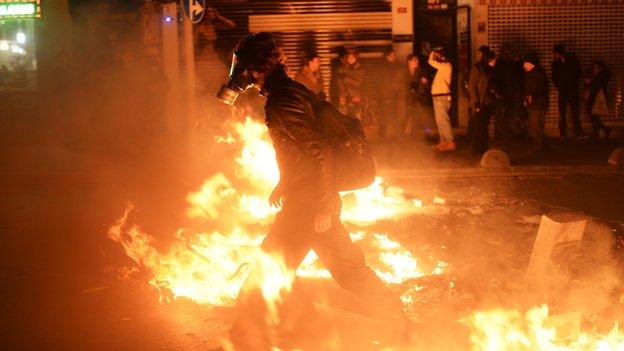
x=309 y=217
x=483 y=100
x=350 y=84
x=595 y=83
x=418 y=85
x=566 y=73
x=535 y=98
x=310 y=74
x=390 y=91
x=508 y=74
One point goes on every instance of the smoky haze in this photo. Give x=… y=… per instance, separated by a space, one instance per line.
x=102 y=138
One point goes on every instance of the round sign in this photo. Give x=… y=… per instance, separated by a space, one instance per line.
x=193 y=9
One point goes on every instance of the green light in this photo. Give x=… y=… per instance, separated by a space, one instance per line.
x=18 y=10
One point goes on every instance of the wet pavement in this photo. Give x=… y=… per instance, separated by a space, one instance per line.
x=60 y=274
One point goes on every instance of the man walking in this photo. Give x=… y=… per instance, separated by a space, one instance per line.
x=310 y=203
x=535 y=98
x=441 y=95
x=566 y=73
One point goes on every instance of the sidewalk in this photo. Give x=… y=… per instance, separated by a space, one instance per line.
x=418 y=158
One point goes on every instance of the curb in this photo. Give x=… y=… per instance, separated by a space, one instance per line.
x=517 y=171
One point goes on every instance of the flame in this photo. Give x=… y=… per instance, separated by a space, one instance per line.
x=397 y=264
x=211 y=267
x=500 y=330
x=274 y=280
x=377 y=202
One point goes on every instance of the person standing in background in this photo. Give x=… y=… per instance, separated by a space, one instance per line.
x=535 y=98
x=596 y=96
x=508 y=75
x=310 y=73
x=482 y=51
x=350 y=79
x=483 y=100
x=390 y=89
x=566 y=73
x=441 y=96
x=418 y=84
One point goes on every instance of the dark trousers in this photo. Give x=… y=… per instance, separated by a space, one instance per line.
x=388 y=119
x=537 y=119
x=597 y=124
x=503 y=112
x=481 y=126
x=571 y=99
x=420 y=116
x=292 y=236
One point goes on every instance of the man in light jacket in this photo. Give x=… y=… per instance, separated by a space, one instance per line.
x=441 y=95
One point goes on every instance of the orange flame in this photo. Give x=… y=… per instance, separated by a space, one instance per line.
x=211 y=267
x=500 y=330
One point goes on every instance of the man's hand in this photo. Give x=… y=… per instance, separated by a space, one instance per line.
x=476 y=107
x=322 y=223
x=276 y=199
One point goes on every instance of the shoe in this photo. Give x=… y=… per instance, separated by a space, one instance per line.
x=447 y=146
x=437 y=146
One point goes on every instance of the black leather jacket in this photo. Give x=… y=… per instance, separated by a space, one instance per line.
x=303 y=156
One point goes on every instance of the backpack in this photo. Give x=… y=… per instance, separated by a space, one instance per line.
x=354 y=165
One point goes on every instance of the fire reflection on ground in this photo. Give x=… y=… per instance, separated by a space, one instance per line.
x=210 y=267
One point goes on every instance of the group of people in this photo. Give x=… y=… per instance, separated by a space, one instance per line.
x=491 y=85
x=503 y=86
x=412 y=83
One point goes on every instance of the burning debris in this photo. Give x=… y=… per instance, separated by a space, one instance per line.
x=210 y=267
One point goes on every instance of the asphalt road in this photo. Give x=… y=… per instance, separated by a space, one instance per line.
x=57 y=290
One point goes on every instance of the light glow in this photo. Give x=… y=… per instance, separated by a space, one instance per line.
x=20 y=38
x=18 y=50
x=18 y=9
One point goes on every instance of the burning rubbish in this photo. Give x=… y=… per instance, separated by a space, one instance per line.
x=210 y=267
x=537 y=330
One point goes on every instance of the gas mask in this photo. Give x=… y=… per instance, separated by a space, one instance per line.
x=240 y=80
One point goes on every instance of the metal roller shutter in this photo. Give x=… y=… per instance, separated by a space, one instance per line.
x=320 y=25
x=593 y=30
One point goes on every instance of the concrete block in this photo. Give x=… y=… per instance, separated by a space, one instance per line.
x=555 y=249
x=617 y=158
x=495 y=158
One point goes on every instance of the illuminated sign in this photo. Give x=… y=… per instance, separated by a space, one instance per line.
x=20 y=9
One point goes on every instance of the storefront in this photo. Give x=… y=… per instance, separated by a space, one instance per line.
x=18 y=60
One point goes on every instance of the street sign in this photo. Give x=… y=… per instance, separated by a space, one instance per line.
x=193 y=9
x=20 y=9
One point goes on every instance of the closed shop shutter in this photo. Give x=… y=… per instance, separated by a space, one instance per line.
x=593 y=30
x=319 y=25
